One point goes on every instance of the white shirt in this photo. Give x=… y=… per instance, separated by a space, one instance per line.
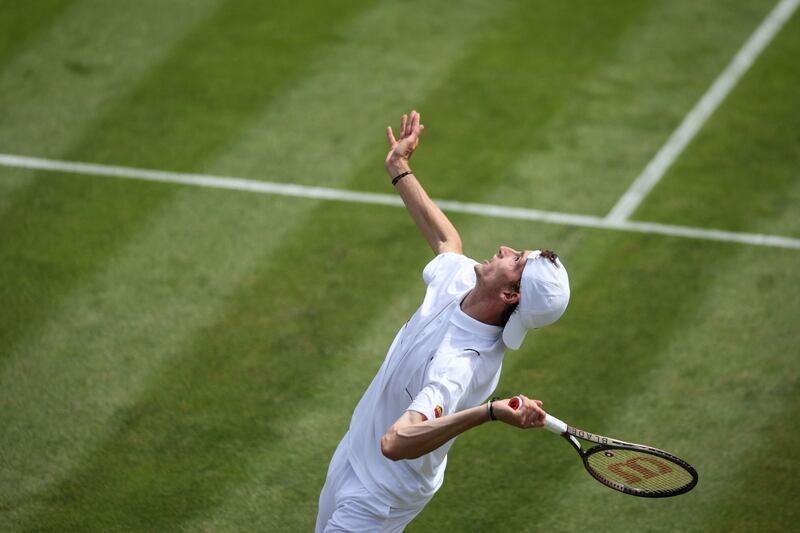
x=441 y=361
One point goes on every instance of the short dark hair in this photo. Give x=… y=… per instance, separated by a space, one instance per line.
x=549 y=254
x=510 y=308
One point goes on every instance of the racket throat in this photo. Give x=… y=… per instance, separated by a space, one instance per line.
x=575 y=442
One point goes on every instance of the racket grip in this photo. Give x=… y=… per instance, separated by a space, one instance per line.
x=555 y=425
x=550 y=422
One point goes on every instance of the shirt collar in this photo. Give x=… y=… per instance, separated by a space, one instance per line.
x=463 y=320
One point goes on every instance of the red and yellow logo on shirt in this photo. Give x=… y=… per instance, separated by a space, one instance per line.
x=437 y=411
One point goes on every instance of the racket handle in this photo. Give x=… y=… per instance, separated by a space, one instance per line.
x=550 y=422
x=555 y=425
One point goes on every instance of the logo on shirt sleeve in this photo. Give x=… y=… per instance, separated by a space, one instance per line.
x=437 y=411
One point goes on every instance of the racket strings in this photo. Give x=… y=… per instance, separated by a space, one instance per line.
x=639 y=470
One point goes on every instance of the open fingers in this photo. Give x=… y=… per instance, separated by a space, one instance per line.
x=415 y=122
x=390 y=136
x=410 y=125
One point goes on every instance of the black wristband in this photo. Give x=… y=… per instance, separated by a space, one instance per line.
x=399 y=177
x=491 y=409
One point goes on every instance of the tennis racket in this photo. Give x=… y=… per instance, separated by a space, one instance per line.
x=634 y=469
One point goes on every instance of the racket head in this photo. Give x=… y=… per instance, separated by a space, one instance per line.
x=639 y=470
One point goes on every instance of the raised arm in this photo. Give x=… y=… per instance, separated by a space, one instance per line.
x=431 y=221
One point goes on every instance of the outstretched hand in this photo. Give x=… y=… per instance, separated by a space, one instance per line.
x=400 y=151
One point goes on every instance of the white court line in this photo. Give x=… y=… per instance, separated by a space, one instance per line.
x=692 y=123
x=323 y=193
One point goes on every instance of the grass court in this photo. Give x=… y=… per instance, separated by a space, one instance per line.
x=176 y=357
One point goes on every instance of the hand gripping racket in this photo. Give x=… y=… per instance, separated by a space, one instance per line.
x=634 y=469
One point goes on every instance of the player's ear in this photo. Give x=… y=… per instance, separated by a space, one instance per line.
x=510 y=295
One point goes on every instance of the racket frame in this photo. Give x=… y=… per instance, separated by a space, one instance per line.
x=603 y=443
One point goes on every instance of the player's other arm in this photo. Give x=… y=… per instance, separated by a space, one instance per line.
x=413 y=435
x=431 y=221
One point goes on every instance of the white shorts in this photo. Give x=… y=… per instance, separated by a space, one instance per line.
x=346 y=505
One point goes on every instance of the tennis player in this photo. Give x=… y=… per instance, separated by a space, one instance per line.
x=442 y=365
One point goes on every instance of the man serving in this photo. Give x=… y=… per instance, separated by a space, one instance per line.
x=442 y=365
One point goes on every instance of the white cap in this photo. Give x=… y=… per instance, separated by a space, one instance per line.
x=544 y=294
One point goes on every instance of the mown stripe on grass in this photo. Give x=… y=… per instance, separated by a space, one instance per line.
x=51 y=93
x=82 y=437
x=500 y=99
x=148 y=409
x=231 y=68
x=292 y=484
x=704 y=108
x=629 y=292
x=88 y=59
x=347 y=83
x=625 y=110
x=381 y=65
x=629 y=296
x=235 y=384
x=307 y=437
x=768 y=472
x=106 y=341
x=12 y=179
x=421 y=84
x=59 y=231
x=21 y=22
x=719 y=395
x=285 y=484
x=750 y=149
x=327 y=193
x=641 y=311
